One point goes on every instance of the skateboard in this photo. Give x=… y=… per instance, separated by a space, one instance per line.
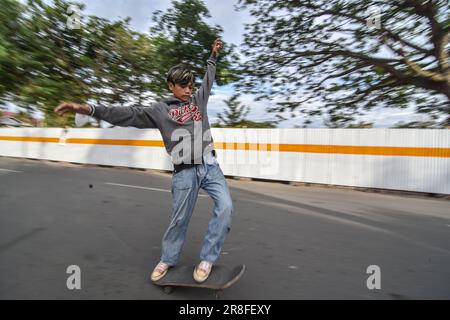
x=221 y=277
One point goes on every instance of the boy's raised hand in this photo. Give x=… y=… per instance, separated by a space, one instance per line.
x=217 y=45
x=72 y=107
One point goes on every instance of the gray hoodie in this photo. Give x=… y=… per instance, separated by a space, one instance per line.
x=184 y=126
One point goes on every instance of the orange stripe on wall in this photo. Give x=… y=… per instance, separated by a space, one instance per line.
x=29 y=139
x=319 y=148
x=118 y=142
x=307 y=148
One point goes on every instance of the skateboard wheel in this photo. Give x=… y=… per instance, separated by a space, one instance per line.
x=168 y=289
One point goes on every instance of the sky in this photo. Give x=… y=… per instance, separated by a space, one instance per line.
x=233 y=22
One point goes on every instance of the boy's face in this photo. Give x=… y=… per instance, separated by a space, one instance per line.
x=182 y=92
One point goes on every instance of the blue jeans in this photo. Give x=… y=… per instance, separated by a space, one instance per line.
x=185 y=187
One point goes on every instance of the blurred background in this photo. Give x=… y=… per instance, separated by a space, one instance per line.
x=308 y=234
x=286 y=64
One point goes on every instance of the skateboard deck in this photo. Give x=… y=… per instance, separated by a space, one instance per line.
x=221 y=277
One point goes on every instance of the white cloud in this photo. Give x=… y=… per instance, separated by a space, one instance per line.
x=388 y=117
x=140 y=11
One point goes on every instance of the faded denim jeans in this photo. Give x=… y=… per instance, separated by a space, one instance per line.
x=185 y=187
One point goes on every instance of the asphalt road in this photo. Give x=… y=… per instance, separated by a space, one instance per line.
x=297 y=242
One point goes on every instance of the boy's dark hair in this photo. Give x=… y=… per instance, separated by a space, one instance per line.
x=180 y=74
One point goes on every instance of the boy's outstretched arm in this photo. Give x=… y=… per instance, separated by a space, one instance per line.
x=202 y=94
x=139 y=117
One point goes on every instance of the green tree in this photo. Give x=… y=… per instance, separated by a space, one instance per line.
x=236 y=111
x=121 y=64
x=24 y=117
x=415 y=124
x=349 y=56
x=181 y=35
x=257 y=124
x=247 y=124
x=43 y=56
x=11 y=55
x=361 y=125
x=43 y=61
x=234 y=116
x=48 y=62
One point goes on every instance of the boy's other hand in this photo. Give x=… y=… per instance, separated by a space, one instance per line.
x=72 y=107
x=217 y=45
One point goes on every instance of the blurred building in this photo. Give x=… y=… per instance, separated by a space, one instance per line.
x=10 y=119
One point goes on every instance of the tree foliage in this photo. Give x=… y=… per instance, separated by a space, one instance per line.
x=329 y=57
x=181 y=35
x=43 y=61
x=234 y=116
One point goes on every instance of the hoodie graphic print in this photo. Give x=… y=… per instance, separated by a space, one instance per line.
x=186 y=112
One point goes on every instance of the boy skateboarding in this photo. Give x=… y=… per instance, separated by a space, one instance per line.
x=183 y=122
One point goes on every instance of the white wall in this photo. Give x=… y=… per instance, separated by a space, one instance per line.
x=412 y=173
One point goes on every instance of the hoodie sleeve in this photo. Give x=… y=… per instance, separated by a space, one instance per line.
x=139 y=117
x=202 y=94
